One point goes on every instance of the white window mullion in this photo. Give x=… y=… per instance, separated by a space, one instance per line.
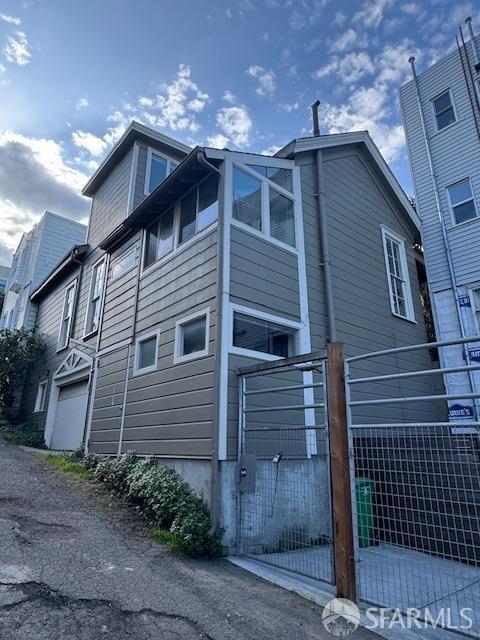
x=265 y=208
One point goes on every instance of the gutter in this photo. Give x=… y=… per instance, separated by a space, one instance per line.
x=74 y=256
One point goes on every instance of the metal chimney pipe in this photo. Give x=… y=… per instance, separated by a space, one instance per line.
x=468 y=22
x=316 y=126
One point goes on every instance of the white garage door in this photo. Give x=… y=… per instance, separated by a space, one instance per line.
x=70 y=416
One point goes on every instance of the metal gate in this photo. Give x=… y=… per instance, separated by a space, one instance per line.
x=284 y=514
x=415 y=488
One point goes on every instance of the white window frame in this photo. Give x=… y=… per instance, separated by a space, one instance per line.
x=71 y=285
x=269 y=317
x=41 y=397
x=146 y=336
x=119 y=259
x=178 y=357
x=86 y=332
x=452 y=213
x=148 y=170
x=475 y=309
x=439 y=95
x=388 y=233
x=266 y=183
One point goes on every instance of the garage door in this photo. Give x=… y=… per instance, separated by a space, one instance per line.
x=70 y=416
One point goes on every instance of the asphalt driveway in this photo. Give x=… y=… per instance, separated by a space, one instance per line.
x=75 y=565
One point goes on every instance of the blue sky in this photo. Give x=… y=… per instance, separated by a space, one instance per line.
x=238 y=74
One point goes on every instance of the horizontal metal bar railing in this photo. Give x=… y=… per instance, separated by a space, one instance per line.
x=414 y=374
x=396 y=425
x=415 y=347
x=291 y=407
x=292 y=387
x=444 y=396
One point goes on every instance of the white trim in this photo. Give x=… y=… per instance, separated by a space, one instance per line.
x=133 y=178
x=388 y=233
x=40 y=406
x=262 y=315
x=150 y=152
x=451 y=206
x=143 y=338
x=89 y=300
x=91 y=399
x=473 y=305
x=178 y=357
x=71 y=285
x=452 y=102
x=255 y=232
x=119 y=259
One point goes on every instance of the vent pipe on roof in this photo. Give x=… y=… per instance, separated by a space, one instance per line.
x=468 y=22
x=316 y=126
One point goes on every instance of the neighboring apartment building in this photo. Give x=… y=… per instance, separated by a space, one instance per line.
x=38 y=252
x=4 y=271
x=441 y=112
x=200 y=261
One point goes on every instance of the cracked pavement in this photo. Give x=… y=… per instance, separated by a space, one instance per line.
x=75 y=565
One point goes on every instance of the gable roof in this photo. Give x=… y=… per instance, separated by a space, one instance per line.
x=64 y=266
x=357 y=137
x=134 y=131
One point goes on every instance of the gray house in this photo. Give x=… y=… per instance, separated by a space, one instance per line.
x=199 y=261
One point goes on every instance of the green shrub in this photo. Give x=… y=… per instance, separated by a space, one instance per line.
x=91 y=460
x=24 y=434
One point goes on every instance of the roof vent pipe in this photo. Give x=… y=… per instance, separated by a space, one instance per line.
x=316 y=126
x=468 y=22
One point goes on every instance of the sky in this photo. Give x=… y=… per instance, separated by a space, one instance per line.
x=239 y=74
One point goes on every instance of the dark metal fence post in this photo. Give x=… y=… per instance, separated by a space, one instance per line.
x=345 y=578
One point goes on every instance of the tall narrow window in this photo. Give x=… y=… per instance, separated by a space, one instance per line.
x=67 y=316
x=198 y=209
x=401 y=301
x=475 y=301
x=146 y=353
x=461 y=201
x=95 y=300
x=158 y=168
x=247 y=199
x=282 y=219
x=443 y=110
x=159 y=239
x=40 y=399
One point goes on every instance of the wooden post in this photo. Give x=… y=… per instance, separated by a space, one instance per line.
x=340 y=474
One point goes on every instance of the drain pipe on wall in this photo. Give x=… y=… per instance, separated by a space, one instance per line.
x=446 y=242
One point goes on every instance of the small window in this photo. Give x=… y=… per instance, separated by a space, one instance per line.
x=256 y=334
x=67 y=316
x=401 y=302
x=198 y=209
x=95 y=299
x=443 y=110
x=41 y=395
x=282 y=218
x=475 y=301
x=247 y=199
x=158 y=168
x=191 y=336
x=123 y=264
x=159 y=239
x=146 y=352
x=461 y=201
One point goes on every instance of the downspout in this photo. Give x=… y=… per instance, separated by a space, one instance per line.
x=441 y=221
x=324 y=245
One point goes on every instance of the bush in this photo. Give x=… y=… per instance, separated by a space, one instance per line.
x=24 y=434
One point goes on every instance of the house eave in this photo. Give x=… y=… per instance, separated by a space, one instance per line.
x=75 y=256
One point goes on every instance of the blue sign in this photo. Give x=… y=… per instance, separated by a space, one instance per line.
x=460 y=411
x=464 y=300
x=474 y=354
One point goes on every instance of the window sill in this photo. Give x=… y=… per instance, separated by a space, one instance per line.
x=438 y=132
x=397 y=315
x=86 y=336
x=60 y=349
x=249 y=353
x=466 y=223
x=191 y=356
x=141 y=372
x=263 y=236
x=36 y=413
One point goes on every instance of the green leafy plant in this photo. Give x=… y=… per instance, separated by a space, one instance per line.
x=18 y=349
x=22 y=433
x=65 y=464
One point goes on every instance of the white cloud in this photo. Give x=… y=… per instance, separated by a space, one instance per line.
x=228 y=96
x=196 y=104
x=372 y=13
x=411 y=8
x=351 y=68
x=16 y=49
x=339 y=18
x=235 y=124
x=271 y=151
x=266 y=80
x=6 y=254
x=306 y=12
x=10 y=19
x=219 y=141
x=34 y=177
x=349 y=39
x=288 y=107
x=326 y=70
x=82 y=103
x=91 y=143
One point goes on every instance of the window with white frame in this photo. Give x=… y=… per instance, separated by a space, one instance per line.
x=158 y=168
x=41 y=395
x=263 y=200
x=258 y=334
x=67 y=315
x=461 y=200
x=191 y=336
x=398 y=279
x=198 y=209
x=123 y=264
x=95 y=298
x=159 y=238
x=475 y=302
x=146 y=353
x=443 y=110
